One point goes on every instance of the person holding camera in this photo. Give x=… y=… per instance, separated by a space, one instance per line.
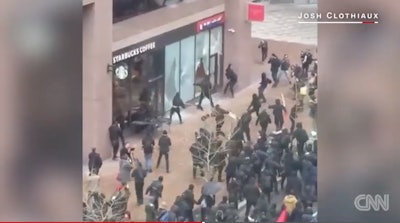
x=275 y=65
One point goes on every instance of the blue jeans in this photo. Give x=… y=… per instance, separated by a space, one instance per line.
x=148 y=162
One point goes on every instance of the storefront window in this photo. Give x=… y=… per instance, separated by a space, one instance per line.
x=171 y=73
x=202 y=56
x=187 y=68
x=216 y=41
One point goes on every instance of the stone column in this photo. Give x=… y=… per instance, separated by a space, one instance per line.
x=237 y=46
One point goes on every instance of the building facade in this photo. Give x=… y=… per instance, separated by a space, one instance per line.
x=97 y=82
x=164 y=54
x=169 y=63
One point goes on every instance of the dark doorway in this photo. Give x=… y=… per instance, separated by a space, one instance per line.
x=215 y=71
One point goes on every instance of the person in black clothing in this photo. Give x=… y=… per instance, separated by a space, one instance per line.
x=197 y=156
x=301 y=137
x=244 y=124
x=205 y=86
x=232 y=79
x=139 y=174
x=264 y=119
x=255 y=105
x=188 y=197
x=148 y=147
x=307 y=59
x=164 y=143
x=263 y=46
x=251 y=194
x=234 y=188
x=275 y=64
x=126 y=150
x=115 y=134
x=155 y=190
x=176 y=104
x=263 y=85
x=285 y=67
x=219 y=114
x=277 y=111
x=292 y=117
x=95 y=162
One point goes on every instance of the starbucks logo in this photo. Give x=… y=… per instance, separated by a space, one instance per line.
x=121 y=71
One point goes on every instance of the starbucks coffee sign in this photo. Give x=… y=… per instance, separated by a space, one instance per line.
x=121 y=71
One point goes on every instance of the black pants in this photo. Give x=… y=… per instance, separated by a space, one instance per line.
x=203 y=213
x=94 y=171
x=218 y=127
x=274 y=74
x=166 y=156
x=189 y=215
x=264 y=54
x=278 y=122
x=264 y=128
x=230 y=85
x=305 y=69
x=207 y=95
x=139 y=192
x=248 y=208
x=300 y=148
x=292 y=124
x=176 y=110
x=246 y=131
x=115 y=145
x=164 y=2
x=261 y=94
x=219 y=170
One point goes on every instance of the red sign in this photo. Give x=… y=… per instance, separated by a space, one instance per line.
x=210 y=22
x=255 y=12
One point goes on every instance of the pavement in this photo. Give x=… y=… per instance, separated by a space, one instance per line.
x=281 y=24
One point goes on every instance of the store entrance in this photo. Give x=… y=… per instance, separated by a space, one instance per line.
x=156 y=86
x=215 y=71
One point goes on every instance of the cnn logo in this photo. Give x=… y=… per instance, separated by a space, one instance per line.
x=367 y=202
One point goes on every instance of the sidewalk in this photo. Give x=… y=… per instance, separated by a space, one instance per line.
x=182 y=137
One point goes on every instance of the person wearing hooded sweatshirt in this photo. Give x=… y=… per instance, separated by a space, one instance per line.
x=264 y=119
x=176 y=104
x=263 y=85
x=151 y=211
x=251 y=194
x=275 y=65
x=232 y=80
x=255 y=105
x=277 y=111
x=206 y=88
x=164 y=144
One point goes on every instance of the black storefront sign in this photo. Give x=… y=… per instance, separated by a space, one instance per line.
x=162 y=40
x=154 y=43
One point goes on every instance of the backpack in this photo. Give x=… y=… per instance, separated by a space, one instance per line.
x=164 y=217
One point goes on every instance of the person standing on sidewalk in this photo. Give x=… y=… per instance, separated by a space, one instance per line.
x=255 y=105
x=264 y=119
x=232 y=80
x=148 y=147
x=176 y=104
x=275 y=65
x=125 y=169
x=95 y=162
x=206 y=88
x=115 y=134
x=285 y=67
x=301 y=137
x=164 y=144
x=263 y=46
x=277 y=110
x=155 y=190
x=188 y=197
x=292 y=117
x=263 y=85
x=139 y=174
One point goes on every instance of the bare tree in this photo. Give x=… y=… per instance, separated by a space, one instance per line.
x=98 y=209
x=213 y=147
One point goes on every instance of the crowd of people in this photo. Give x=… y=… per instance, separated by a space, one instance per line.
x=275 y=175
